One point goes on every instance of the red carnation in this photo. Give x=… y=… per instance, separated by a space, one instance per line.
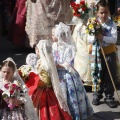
x=73 y=4
x=82 y=2
x=6 y=86
x=83 y=8
x=77 y=5
x=14 y=86
x=11 y=92
x=76 y=14
x=76 y=9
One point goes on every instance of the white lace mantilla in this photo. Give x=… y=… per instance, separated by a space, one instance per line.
x=42 y=15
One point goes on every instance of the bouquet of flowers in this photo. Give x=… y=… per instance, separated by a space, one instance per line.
x=24 y=72
x=11 y=90
x=80 y=9
x=93 y=26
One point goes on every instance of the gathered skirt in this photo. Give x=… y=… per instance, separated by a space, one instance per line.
x=47 y=105
x=78 y=102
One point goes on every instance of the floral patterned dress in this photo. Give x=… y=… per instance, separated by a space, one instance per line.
x=73 y=88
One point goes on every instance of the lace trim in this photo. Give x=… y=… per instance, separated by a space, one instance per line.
x=41 y=18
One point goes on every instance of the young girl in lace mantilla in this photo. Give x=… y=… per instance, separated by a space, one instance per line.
x=70 y=81
x=15 y=101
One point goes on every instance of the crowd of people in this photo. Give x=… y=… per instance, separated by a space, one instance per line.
x=50 y=86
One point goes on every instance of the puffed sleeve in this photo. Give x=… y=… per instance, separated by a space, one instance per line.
x=113 y=37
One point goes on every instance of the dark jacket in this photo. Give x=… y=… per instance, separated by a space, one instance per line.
x=113 y=4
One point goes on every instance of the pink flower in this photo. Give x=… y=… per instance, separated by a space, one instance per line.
x=6 y=86
x=11 y=106
x=14 y=86
x=11 y=92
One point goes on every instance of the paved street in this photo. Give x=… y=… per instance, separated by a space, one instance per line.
x=102 y=112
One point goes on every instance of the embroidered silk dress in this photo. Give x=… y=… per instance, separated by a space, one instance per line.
x=72 y=86
x=43 y=97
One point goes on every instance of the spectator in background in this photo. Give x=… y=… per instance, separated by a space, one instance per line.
x=114 y=6
x=118 y=6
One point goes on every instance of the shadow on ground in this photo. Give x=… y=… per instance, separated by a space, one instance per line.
x=105 y=116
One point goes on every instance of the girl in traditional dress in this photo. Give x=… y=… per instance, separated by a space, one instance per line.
x=70 y=81
x=81 y=61
x=15 y=101
x=44 y=86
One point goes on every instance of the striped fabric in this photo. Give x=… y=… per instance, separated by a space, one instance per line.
x=95 y=64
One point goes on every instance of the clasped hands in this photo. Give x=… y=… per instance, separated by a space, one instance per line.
x=99 y=36
x=13 y=101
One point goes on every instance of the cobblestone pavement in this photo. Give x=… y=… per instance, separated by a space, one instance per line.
x=102 y=112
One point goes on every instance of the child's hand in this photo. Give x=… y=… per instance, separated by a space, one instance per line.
x=15 y=101
x=18 y=102
x=12 y=101
x=99 y=36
